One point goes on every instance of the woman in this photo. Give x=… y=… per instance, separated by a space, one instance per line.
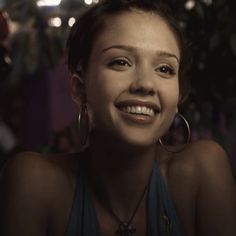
x=127 y=65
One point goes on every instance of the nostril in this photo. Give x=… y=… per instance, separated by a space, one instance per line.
x=142 y=83
x=142 y=90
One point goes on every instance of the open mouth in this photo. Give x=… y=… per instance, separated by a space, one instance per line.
x=139 y=108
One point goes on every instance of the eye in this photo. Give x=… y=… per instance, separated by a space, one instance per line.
x=120 y=63
x=166 y=70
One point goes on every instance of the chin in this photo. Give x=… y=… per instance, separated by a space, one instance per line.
x=137 y=141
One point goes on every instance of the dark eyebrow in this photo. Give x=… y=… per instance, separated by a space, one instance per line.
x=167 y=55
x=130 y=48
x=124 y=47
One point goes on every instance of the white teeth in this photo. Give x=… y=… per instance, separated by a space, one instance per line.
x=133 y=110
x=139 y=110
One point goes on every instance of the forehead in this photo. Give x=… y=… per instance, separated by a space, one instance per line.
x=138 y=29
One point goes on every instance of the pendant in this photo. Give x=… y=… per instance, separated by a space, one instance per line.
x=168 y=224
x=125 y=229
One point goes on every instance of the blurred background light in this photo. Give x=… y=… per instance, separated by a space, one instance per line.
x=43 y=3
x=88 y=2
x=55 y=22
x=71 y=21
x=190 y=4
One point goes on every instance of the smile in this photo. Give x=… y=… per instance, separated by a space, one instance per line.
x=138 y=107
x=139 y=110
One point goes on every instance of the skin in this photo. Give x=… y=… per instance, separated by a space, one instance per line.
x=37 y=190
x=128 y=66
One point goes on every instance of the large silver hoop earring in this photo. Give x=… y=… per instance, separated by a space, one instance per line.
x=83 y=124
x=187 y=139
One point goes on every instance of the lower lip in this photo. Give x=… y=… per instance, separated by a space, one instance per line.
x=137 y=119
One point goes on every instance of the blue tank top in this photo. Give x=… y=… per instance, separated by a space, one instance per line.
x=162 y=218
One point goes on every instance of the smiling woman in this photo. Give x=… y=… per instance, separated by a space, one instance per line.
x=128 y=78
x=133 y=69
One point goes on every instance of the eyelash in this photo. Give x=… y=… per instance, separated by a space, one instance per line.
x=120 y=62
x=168 y=70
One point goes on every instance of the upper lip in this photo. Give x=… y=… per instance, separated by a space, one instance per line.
x=133 y=102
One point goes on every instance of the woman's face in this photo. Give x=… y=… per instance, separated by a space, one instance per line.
x=132 y=78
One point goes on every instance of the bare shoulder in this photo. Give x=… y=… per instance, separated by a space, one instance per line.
x=200 y=178
x=38 y=168
x=198 y=157
x=201 y=166
x=30 y=184
x=206 y=158
x=206 y=151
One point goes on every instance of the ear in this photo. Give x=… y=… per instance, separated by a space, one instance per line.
x=78 y=87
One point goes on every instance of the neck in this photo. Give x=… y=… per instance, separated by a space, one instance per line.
x=119 y=175
x=118 y=160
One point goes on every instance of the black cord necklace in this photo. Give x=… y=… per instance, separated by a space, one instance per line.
x=124 y=228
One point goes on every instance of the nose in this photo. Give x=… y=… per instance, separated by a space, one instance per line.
x=143 y=81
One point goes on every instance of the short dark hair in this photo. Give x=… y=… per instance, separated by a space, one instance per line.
x=85 y=31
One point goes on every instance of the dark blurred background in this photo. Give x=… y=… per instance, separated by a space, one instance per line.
x=36 y=109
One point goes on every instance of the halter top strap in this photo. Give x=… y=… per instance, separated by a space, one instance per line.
x=83 y=220
x=162 y=217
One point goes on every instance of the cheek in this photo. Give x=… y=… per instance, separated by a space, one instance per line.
x=101 y=96
x=104 y=86
x=170 y=96
x=102 y=90
x=98 y=92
